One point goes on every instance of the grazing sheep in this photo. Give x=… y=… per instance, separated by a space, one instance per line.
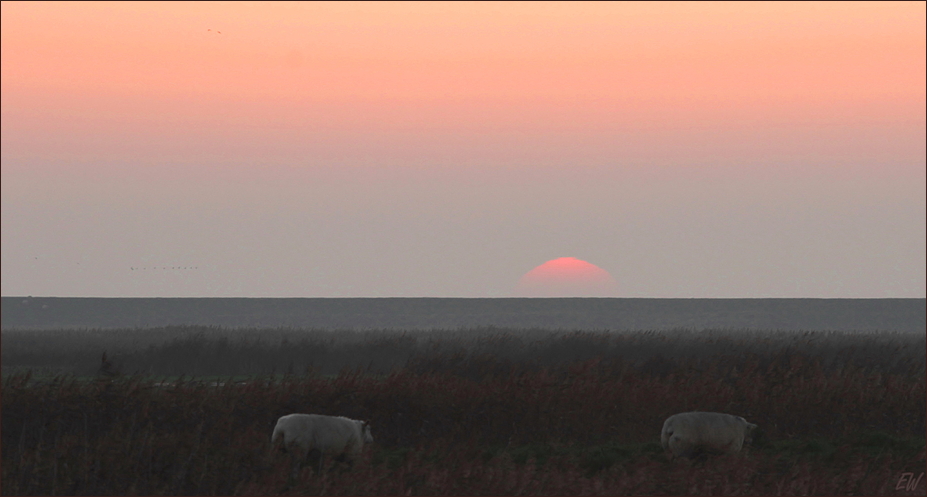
x=334 y=435
x=690 y=434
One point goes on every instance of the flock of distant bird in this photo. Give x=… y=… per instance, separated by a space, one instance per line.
x=155 y=268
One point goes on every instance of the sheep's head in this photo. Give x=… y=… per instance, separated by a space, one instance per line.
x=749 y=433
x=368 y=437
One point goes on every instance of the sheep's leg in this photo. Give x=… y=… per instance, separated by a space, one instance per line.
x=299 y=458
x=296 y=464
x=311 y=456
x=291 y=474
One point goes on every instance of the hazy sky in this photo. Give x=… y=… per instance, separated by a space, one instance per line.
x=446 y=149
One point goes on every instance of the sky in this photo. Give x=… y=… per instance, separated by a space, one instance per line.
x=691 y=150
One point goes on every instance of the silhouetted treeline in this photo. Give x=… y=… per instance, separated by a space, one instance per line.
x=208 y=351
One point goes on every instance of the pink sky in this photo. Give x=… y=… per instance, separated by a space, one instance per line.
x=445 y=149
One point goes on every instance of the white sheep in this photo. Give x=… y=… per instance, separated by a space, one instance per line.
x=689 y=434
x=334 y=435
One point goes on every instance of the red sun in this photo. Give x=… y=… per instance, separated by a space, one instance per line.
x=567 y=277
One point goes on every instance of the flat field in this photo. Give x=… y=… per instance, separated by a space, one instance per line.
x=190 y=410
x=621 y=314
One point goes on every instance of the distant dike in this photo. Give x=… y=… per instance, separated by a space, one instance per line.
x=617 y=314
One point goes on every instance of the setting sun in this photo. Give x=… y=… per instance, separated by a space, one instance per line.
x=567 y=277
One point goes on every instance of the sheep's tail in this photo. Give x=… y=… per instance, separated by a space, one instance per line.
x=665 y=437
x=278 y=434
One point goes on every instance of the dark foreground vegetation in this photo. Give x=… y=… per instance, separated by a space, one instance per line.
x=456 y=413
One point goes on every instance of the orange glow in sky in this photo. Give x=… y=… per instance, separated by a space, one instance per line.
x=749 y=53
x=503 y=68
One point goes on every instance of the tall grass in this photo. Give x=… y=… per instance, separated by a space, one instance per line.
x=566 y=414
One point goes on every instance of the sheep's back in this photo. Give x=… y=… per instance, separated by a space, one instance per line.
x=716 y=430
x=324 y=433
x=336 y=434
